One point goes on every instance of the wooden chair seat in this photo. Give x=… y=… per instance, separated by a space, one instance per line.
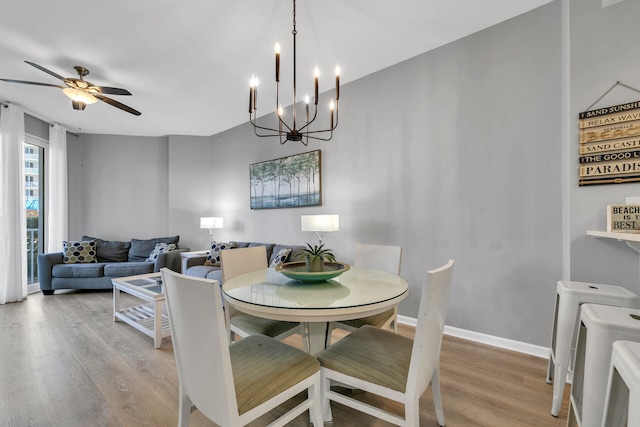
x=263 y=368
x=352 y=355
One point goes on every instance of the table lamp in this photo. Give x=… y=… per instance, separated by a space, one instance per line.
x=211 y=222
x=320 y=224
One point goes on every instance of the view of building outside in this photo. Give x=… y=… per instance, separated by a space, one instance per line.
x=34 y=176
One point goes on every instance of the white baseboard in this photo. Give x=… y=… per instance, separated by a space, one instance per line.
x=520 y=347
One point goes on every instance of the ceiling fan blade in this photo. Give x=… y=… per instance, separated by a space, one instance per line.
x=41 y=68
x=32 y=83
x=117 y=104
x=112 y=90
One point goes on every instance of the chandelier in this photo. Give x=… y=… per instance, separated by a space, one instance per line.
x=291 y=132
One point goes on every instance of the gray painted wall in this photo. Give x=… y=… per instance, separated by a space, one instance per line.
x=452 y=154
x=118 y=187
x=603 y=51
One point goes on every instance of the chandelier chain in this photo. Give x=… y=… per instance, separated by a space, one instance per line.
x=294 y=18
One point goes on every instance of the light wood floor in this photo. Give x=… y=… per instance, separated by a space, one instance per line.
x=64 y=362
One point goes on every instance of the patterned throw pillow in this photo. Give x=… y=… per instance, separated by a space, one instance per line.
x=160 y=248
x=213 y=257
x=280 y=257
x=82 y=252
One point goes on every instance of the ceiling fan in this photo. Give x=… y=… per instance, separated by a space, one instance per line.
x=80 y=90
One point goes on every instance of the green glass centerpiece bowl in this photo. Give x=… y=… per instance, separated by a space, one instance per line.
x=297 y=270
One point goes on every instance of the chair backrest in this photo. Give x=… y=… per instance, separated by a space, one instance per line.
x=425 y=355
x=379 y=257
x=237 y=261
x=200 y=344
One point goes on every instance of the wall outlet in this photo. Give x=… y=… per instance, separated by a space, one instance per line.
x=633 y=200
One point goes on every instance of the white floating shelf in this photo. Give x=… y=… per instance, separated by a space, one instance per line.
x=632 y=240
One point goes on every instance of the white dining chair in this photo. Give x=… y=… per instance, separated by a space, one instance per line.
x=390 y=365
x=243 y=260
x=377 y=257
x=235 y=384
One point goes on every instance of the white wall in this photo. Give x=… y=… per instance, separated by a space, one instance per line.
x=604 y=50
x=455 y=153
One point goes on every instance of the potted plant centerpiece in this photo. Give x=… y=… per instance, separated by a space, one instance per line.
x=315 y=256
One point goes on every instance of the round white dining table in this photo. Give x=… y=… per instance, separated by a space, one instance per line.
x=358 y=292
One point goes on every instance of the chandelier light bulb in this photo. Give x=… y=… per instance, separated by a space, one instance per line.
x=331 y=108
x=253 y=93
x=277 y=49
x=306 y=107
x=337 y=82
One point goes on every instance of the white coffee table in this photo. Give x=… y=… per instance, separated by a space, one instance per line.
x=148 y=288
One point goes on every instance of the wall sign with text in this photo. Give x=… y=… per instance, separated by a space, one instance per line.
x=610 y=145
x=623 y=218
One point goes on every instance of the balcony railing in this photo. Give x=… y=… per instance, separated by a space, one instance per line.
x=32 y=255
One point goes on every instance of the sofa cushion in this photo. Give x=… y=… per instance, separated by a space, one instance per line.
x=141 y=249
x=215 y=275
x=111 y=251
x=122 y=269
x=213 y=257
x=160 y=248
x=78 y=270
x=201 y=270
x=82 y=252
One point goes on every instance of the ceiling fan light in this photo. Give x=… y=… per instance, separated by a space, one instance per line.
x=80 y=96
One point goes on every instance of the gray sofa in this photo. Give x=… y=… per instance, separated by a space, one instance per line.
x=115 y=259
x=194 y=265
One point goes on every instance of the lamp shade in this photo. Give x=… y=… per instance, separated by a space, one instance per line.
x=211 y=222
x=322 y=223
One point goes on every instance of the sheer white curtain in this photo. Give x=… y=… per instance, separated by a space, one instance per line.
x=13 y=219
x=57 y=227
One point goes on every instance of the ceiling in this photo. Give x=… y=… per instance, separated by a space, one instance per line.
x=188 y=63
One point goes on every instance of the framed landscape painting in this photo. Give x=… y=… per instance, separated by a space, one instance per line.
x=287 y=182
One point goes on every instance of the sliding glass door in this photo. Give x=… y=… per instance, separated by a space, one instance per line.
x=34 y=161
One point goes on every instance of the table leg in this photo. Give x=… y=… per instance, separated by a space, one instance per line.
x=316 y=336
x=116 y=302
x=157 y=324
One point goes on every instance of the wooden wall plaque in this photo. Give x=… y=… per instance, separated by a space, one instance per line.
x=610 y=144
x=623 y=218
